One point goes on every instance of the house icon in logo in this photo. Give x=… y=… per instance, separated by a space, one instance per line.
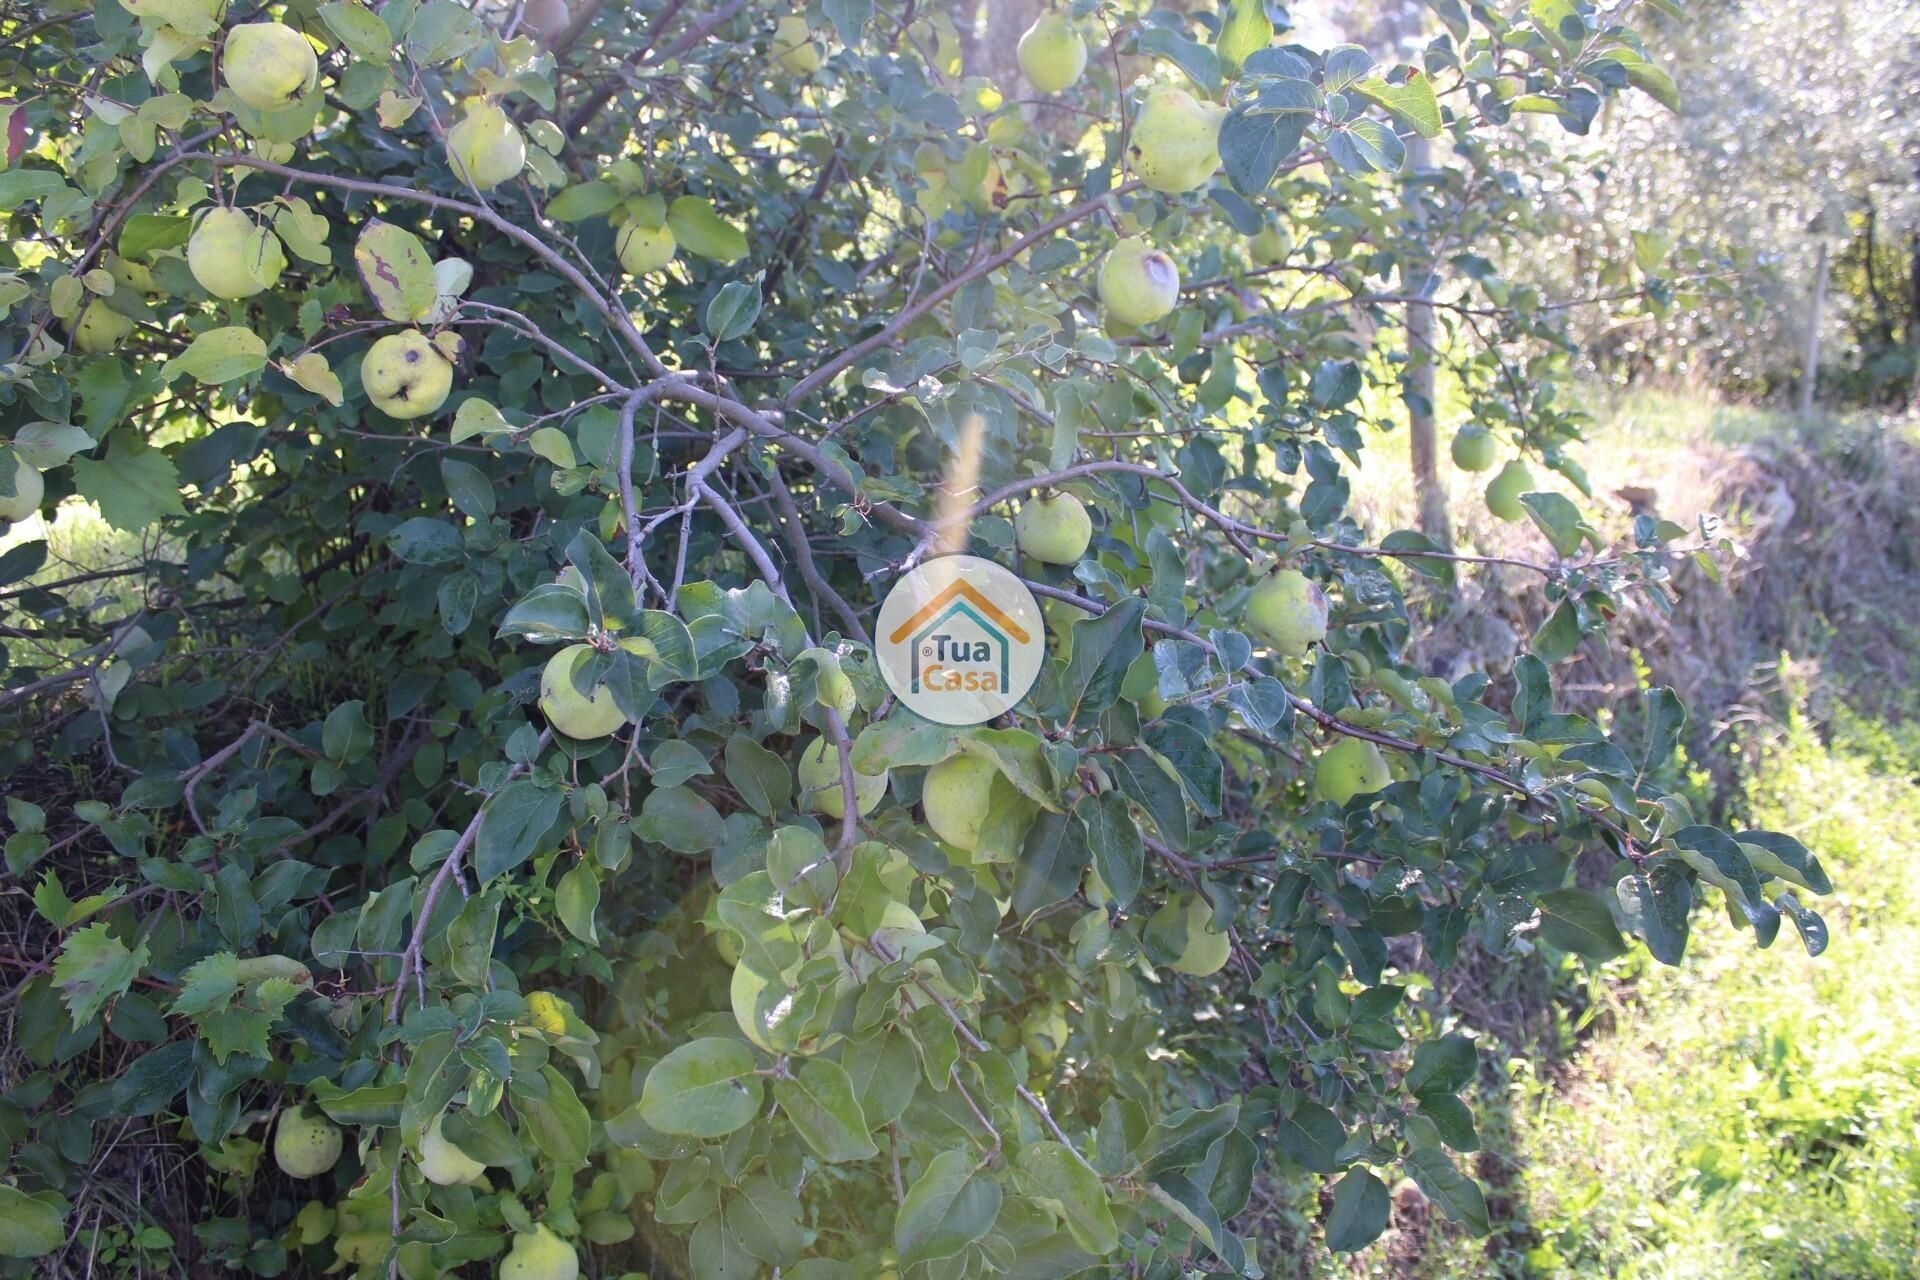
x=939 y=661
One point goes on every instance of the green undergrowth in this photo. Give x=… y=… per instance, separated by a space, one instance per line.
x=1749 y=1114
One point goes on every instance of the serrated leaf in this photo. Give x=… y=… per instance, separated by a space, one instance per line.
x=93 y=968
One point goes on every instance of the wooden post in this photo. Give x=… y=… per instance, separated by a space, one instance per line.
x=1810 y=362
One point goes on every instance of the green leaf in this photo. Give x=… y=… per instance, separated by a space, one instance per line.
x=1052 y=862
x=397 y=271
x=514 y=820
x=1657 y=904
x=1246 y=29
x=949 y=1206
x=819 y=1101
x=1359 y=1212
x=1458 y=1196
x=1412 y=101
x=1312 y=1135
x=360 y=29
x=1446 y=1065
x=765 y=1218
x=732 y=312
x=150 y=233
x=1118 y=852
x=29 y=1226
x=154 y=1080
x=698 y=229
x=705 y=1089
x=558 y=1123
x=218 y=356
x=583 y=201
x=1254 y=144
x=1103 y=649
x=49 y=444
x=577 y=898
x=1056 y=1177
x=1577 y=921
x=93 y=968
x=1560 y=521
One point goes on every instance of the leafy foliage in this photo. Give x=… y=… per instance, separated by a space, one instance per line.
x=650 y=977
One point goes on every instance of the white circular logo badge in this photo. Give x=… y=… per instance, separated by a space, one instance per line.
x=960 y=640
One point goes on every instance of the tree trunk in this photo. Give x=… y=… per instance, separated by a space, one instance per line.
x=1810 y=362
x=1418 y=388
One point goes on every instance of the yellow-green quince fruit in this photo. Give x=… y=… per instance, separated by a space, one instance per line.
x=485 y=148
x=793 y=46
x=305 y=1145
x=1052 y=55
x=1473 y=448
x=1189 y=917
x=540 y=1255
x=1350 y=767
x=405 y=375
x=820 y=777
x=566 y=708
x=1053 y=527
x=100 y=328
x=444 y=1164
x=644 y=249
x=1289 y=611
x=1138 y=284
x=1503 y=494
x=955 y=796
x=268 y=65
x=1176 y=141
x=232 y=257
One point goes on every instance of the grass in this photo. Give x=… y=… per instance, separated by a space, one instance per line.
x=1751 y=1114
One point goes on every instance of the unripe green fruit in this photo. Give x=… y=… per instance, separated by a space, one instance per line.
x=405 y=375
x=1473 y=448
x=820 y=774
x=268 y=65
x=100 y=328
x=955 y=796
x=1044 y=1032
x=793 y=46
x=644 y=249
x=233 y=258
x=305 y=1146
x=1203 y=952
x=485 y=148
x=548 y=1012
x=1350 y=767
x=1138 y=284
x=444 y=1164
x=540 y=1255
x=566 y=708
x=1289 y=611
x=1176 y=141
x=544 y=19
x=136 y=276
x=1054 y=528
x=1271 y=246
x=1052 y=54
x=1503 y=495
x=831 y=687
